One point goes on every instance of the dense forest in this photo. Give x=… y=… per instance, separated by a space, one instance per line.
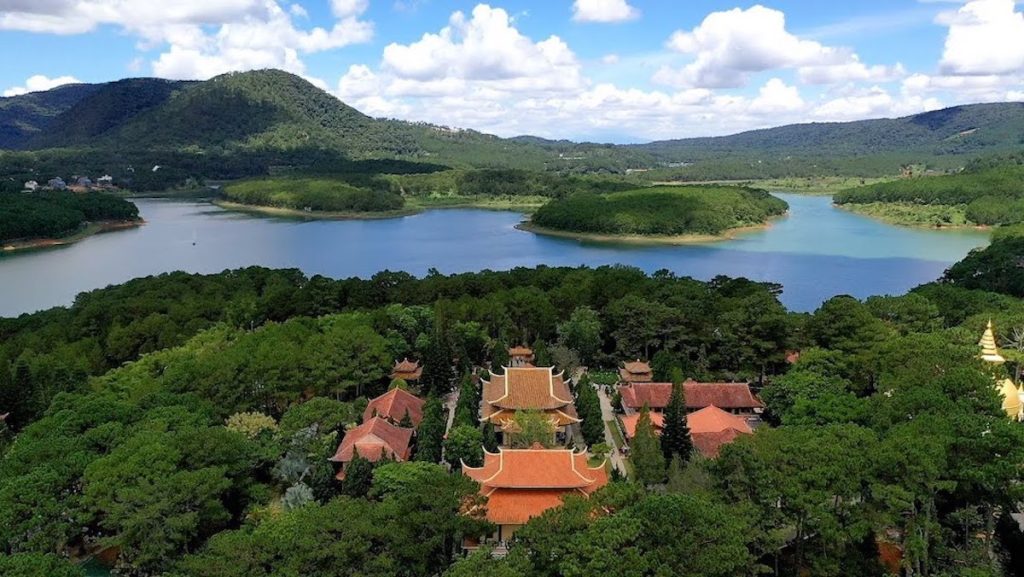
x=185 y=420
x=53 y=214
x=663 y=211
x=987 y=192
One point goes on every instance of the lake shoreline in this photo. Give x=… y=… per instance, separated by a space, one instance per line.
x=280 y=212
x=894 y=220
x=676 y=240
x=90 y=229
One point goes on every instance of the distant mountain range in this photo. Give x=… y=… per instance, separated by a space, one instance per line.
x=272 y=110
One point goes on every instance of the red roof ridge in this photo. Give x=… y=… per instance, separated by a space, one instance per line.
x=501 y=464
x=551 y=381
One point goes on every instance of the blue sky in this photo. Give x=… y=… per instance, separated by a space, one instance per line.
x=617 y=70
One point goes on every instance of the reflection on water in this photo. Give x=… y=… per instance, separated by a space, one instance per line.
x=815 y=253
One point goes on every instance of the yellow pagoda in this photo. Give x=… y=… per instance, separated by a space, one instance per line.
x=1013 y=398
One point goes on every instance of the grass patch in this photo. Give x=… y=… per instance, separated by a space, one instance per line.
x=918 y=215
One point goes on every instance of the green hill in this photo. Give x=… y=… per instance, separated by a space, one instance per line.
x=261 y=122
x=23 y=117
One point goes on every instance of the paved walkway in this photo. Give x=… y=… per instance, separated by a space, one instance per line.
x=607 y=414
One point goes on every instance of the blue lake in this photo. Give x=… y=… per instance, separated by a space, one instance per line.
x=816 y=252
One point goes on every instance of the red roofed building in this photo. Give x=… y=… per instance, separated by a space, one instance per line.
x=521 y=484
x=407 y=370
x=629 y=423
x=736 y=398
x=374 y=440
x=393 y=406
x=636 y=372
x=528 y=389
x=711 y=427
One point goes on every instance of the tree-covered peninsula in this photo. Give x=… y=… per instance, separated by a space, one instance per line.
x=677 y=211
x=58 y=214
x=986 y=192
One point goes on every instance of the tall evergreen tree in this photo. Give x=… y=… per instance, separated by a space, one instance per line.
x=468 y=408
x=438 y=370
x=648 y=461
x=541 y=354
x=490 y=438
x=588 y=405
x=675 y=436
x=430 y=436
x=17 y=392
x=358 y=477
x=499 y=355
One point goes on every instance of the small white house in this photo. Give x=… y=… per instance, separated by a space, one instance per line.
x=105 y=180
x=31 y=186
x=57 y=183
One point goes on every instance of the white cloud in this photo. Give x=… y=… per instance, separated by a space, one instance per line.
x=298 y=11
x=38 y=83
x=854 y=70
x=727 y=47
x=610 y=59
x=775 y=96
x=874 y=102
x=603 y=11
x=484 y=51
x=201 y=38
x=985 y=37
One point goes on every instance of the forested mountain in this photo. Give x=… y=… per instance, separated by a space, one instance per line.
x=270 y=115
x=22 y=117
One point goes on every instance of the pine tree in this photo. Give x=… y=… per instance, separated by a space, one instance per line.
x=16 y=394
x=358 y=477
x=406 y=421
x=431 y=432
x=588 y=405
x=490 y=438
x=541 y=355
x=499 y=356
x=468 y=408
x=438 y=371
x=648 y=461
x=675 y=436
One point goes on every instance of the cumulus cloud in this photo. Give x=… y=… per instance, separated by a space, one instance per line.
x=873 y=102
x=986 y=37
x=200 y=38
x=485 y=51
x=603 y=11
x=39 y=83
x=729 y=46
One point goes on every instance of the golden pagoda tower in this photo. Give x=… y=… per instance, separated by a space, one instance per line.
x=1013 y=398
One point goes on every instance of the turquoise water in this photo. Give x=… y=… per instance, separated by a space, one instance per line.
x=816 y=252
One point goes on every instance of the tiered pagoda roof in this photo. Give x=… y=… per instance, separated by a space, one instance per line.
x=523 y=483
x=710 y=428
x=407 y=370
x=525 y=389
x=636 y=372
x=393 y=406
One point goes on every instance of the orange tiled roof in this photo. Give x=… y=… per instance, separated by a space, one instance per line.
x=516 y=506
x=393 y=405
x=535 y=468
x=373 y=440
x=711 y=419
x=520 y=352
x=629 y=423
x=527 y=388
x=523 y=483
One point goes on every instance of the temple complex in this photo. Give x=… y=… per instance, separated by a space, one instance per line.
x=1013 y=397
x=521 y=484
x=527 y=389
x=394 y=405
x=710 y=428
